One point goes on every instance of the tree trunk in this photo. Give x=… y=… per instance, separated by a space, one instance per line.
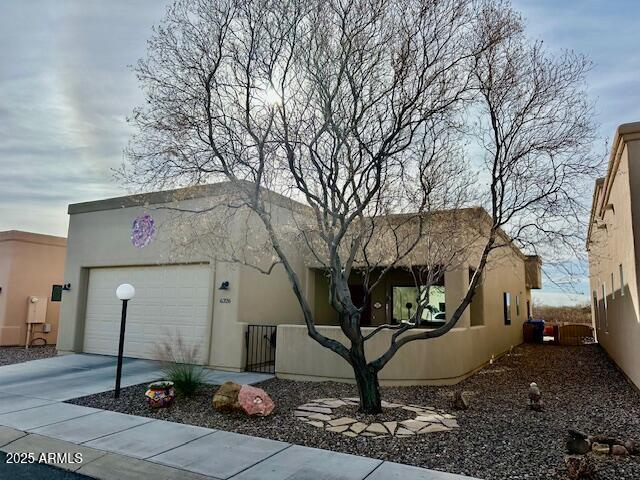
x=368 y=388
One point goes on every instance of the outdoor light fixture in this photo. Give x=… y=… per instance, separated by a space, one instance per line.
x=124 y=292
x=66 y=286
x=224 y=286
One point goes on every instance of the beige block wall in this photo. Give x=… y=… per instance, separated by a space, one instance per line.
x=609 y=248
x=30 y=264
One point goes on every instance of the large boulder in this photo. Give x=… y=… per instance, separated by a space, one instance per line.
x=255 y=401
x=578 y=443
x=226 y=398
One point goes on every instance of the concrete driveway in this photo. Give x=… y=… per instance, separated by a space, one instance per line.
x=69 y=376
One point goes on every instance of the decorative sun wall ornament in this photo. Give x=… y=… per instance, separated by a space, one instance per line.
x=143 y=230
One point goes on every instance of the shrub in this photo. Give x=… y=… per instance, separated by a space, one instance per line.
x=180 y=367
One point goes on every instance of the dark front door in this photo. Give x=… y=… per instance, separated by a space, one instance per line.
x=358 y=296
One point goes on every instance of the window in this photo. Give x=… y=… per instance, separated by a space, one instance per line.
x=405 y=300
x=621 y=281
x=517 y=306
x=506 y=297
x=596 y=316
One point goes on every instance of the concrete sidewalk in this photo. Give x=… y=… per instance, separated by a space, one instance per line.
x=115 y=446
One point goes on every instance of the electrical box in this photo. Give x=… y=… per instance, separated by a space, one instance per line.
x=37 y=309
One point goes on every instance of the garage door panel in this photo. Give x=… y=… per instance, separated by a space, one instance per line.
x=160 y=312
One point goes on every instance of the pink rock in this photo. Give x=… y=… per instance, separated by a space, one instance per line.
x=255 y=401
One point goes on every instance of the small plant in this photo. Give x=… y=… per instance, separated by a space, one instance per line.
x=180 y=367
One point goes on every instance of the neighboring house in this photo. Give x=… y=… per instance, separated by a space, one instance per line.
x=613 y=244
x=30 y=265
x=209 y=303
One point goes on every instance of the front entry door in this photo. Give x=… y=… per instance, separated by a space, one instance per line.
x=358 y=296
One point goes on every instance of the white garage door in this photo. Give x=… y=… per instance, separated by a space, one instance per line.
x=171 y=304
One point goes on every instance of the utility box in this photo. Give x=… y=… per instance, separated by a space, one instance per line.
x=37 y=309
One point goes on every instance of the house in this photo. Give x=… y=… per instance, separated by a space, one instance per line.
x=30 y=265
x=187 y=287
x=613 y=244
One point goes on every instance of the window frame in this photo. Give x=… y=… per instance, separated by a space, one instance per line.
x=506 y=307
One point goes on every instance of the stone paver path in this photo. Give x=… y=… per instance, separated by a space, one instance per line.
x=324 y=413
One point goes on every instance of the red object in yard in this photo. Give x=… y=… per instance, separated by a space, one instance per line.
x=549 y=330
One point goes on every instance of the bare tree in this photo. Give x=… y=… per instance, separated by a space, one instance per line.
x=356 y=108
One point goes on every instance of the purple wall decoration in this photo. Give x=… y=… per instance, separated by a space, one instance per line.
x=143 y=230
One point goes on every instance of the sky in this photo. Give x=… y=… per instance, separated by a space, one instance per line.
x=66 y=89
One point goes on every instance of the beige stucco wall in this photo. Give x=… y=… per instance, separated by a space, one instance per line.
x=443 y=360
x=100 y=236
x=30 y=264
x=615 y=240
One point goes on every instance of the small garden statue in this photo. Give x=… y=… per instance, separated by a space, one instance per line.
x=160 y=394
x=535 y=398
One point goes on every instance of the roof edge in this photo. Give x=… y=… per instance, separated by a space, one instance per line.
x=31 y=237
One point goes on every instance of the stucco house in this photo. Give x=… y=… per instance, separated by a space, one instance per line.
x=613 y=244
x=210 y=302
x=30 y=265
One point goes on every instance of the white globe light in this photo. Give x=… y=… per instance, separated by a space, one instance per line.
x=125 y=291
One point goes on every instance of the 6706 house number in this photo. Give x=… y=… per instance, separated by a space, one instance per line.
x=44 y=457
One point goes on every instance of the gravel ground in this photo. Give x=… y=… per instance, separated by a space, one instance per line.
x=498 y=438
x=9 y=355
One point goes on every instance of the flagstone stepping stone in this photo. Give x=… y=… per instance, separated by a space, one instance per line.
x=339 y=429
x=320 y=416
x=321 y=413
x=377 y=428
x=433 y=428
x=413 y=425
x=430 y=418
x=342 y=421
x=326 y=410
x=300 y=413
x=450 y=423
x=358 y=427
x=391 y=426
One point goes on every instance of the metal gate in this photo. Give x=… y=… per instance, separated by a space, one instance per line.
x=261 y=348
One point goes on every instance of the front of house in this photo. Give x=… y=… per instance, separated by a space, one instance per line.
x=210 y=303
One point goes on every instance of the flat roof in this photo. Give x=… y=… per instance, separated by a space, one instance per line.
x=31 y=237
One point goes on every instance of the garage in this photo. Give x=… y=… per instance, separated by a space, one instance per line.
x=171 y=301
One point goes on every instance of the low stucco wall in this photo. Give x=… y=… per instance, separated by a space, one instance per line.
x=440 y=361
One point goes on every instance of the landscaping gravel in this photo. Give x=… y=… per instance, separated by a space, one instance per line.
x=10 y=355
x=499 y=437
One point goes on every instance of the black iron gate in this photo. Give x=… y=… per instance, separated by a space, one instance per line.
x=261 y=348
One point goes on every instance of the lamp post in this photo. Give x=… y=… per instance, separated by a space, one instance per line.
x=124 y=292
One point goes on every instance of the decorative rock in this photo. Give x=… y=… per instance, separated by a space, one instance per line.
x=255 y=401
x=391 y=426
x=377 y=428
x=299 y=413
x=619 y=450
x=316 y=424
x=367 y=434
x=535 y=398
x=430 y=418
x=342 y=421
x=413 y=409
x=577 y=443
x=349 y=434
x=461 y=400
x=579 y=466
x=160 y=394
x=600 y=448
x=226 y=397
x=405 y=432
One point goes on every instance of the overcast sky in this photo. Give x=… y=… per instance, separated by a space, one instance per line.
x=66 y=89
